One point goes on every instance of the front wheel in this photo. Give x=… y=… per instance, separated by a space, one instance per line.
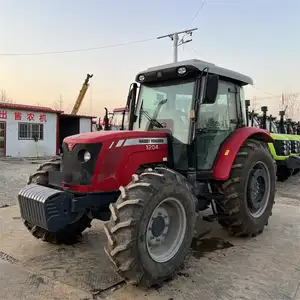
x=249 y=192
x=151 y=227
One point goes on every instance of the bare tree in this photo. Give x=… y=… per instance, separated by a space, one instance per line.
x=58 y=104
x=4 y=98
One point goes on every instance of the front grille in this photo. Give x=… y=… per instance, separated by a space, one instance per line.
x=283 y=148
x=75 y=171
x=295 y=147
x=45 y=207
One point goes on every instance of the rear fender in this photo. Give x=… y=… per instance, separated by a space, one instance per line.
x=231 y=147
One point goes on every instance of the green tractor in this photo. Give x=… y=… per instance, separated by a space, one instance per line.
x=286 y=128
x=283 y=149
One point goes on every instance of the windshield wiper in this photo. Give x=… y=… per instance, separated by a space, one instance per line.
x=153 y=121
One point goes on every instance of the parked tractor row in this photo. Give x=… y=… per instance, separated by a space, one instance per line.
x=115 y=120
x=187 y=148
x=286 y=134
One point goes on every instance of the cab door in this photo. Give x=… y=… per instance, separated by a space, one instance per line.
x=215 y=123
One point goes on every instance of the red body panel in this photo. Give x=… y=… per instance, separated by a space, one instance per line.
x=122 y=154
x=118 y=159
x=231 y=147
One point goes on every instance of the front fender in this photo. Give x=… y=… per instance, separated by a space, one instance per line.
x=231 y=147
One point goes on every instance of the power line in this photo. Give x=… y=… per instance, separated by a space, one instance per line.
x=195 y=16
x=259 y=89
x=202 y=56
x=176 y=43
x=197 y=13
x=78 y=50
x=182 y=41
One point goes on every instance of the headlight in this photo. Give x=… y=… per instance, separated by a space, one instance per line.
x=181 y=70
x=87 y=156
x=141 y=77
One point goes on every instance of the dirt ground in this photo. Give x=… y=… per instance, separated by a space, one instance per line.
x=14 y=174
x=217 y=267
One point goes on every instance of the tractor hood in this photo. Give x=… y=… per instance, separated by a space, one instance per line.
x=102 y=136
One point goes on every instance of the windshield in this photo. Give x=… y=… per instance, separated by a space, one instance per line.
x=117 y=119
x=168 y=103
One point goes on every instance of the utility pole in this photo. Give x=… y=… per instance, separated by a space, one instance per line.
x=178 y=42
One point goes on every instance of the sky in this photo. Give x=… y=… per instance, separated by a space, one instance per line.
x=259 y=38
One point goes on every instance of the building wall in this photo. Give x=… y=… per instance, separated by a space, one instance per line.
x=29 y=148
x=85 y=125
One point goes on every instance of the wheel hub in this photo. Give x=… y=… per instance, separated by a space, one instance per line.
x=257 y=185
x=158 y=226
x=258 y=189
x=166 y=230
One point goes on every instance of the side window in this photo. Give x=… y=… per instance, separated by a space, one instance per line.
x=221 y=115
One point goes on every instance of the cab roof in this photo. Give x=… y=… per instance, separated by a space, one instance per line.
x=200 y=65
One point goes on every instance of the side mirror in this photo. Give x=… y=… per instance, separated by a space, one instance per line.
x=131 y=94
x=131 y=105
x=129 y=97
x=211 y=90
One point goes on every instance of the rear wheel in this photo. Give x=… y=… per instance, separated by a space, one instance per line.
x=151 y=227
x=72 y=231
x=249 y=192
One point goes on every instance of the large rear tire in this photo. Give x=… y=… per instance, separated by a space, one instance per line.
x=68 y=235
x=151 y=227
x=250 y=191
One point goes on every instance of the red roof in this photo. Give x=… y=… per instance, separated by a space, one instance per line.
x=28 y=107
x=78 y=116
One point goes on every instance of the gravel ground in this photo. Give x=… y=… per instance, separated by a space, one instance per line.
x=13 y=177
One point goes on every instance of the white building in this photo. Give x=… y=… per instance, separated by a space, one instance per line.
x=34 y=131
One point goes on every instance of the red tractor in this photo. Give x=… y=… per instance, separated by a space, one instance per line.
x=149 y=182
x=119 y=119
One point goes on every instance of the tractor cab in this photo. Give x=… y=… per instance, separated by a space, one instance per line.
x=199 y=104
x=119 y=120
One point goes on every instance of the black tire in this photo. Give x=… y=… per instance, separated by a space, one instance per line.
x=238 y=220
x=283 y=173
x=295 y=171
x=127 y=229
x=68 y=235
